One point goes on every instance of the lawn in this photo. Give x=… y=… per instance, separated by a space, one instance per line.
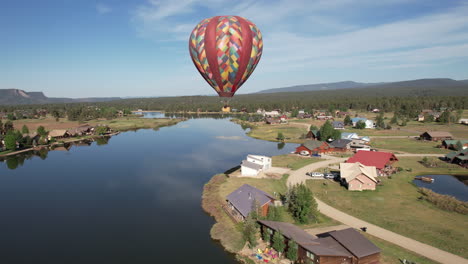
x=409 y=145
x=392 y=253
x=291 y=132
x=458 y=131
x=293 y=162
x=395 y=206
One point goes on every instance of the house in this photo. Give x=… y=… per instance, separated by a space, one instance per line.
x=382 y=161
x=244 y=199
x=301 y=112
x=283 y=119
x=58 y=133
x=342 y=114
x=226 y=109
x=463 y=121
x=313 y=147
x=254 y=164
x=271 y=120
x=369 y=123
x=346 y=246
x=338 y=125
x=435 y=136
x=453 y=144
x=349 y=136
x=420 y=118
x=81 y=130
x=359 y=144
x=324 y=117
x=272 y=113
x=458 y=157
x=341 y=144
x=312 y=134
x=375 y=110
x=358 y=177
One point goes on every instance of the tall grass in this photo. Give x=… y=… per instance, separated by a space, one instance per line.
x=444 y=202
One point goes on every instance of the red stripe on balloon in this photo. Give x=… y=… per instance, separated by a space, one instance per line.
x=246 y=51
x=210 y=50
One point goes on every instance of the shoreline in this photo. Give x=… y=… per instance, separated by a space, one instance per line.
x=75 y=139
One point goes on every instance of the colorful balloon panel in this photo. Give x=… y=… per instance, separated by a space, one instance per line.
x=225 y=50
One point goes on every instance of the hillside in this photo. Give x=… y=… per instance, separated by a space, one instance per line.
x=16 y=97
x=419 y=84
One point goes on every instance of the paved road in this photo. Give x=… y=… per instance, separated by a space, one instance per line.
x=402 y=241
x=428 y=251
x=419 y=155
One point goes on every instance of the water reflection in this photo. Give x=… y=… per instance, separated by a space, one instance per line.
x=135 y=200
x=15 y=161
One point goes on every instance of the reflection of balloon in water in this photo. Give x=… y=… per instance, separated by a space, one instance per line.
x=226 y=50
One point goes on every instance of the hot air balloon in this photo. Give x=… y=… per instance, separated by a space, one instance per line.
x=225 y=50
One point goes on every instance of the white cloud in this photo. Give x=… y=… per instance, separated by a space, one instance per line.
x=103 y=9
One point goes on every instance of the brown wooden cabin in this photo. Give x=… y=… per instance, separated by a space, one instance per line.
x=314 y=146
x=435 y=136
x=244 y=199
x=346 y=246
x=312 y=134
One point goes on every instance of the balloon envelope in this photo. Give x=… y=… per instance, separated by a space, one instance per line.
x=226 y=50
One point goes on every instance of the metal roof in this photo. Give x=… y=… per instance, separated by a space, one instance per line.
x=244 y=197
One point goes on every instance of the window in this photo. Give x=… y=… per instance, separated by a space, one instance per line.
x=310 y=255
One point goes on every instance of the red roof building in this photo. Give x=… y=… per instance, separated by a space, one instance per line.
x=382 y=161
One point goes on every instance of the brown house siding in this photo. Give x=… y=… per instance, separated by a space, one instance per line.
x=371 y=259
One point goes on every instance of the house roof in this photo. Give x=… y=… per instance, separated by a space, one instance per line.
x=251 y=165
x=315 y=132
x=357 y=119
x=452 y=155
x=340 y=143
x=327 y=246
x=349 y=171
x=356 y=243
x=57 y=132
x=344 y=243
x=349 y=135
x=438 y=134
x=455 y=141
x=313 y=144
x=372 y=158
x=243 y=198
x=291 y=231
x=338 y=124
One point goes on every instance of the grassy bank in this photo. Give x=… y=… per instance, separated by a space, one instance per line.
x=379 y=132
x=395 y=206
x=117 y=124
x=409 y=145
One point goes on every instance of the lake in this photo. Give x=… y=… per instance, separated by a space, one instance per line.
x=446 y=184
x=133 y=199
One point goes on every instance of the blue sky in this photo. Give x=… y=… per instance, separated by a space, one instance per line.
x=88 y=48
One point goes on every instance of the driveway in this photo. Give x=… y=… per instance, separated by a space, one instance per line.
x=299 y=176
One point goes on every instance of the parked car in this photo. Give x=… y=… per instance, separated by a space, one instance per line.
x=329 y=176
x=314 y=174
x=316 y=155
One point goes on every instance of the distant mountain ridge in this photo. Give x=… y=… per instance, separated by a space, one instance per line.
x=17 y=96
x=420 y=83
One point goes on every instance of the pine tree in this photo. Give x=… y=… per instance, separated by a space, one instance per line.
x=360 y=124
x=347 y=121
x=25 y=130
x=459 y=145
x=278 y=241
x=292 y=251
x=302 y=204
x=250 y=231
x=394 y=120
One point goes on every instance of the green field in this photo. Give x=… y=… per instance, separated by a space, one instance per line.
x=408 y=145
x=293 y=162
x=395 y=206
x=392 y=253
x=380 y=132
x=270 y=132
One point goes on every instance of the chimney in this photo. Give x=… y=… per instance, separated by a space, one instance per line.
x=250 y=196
